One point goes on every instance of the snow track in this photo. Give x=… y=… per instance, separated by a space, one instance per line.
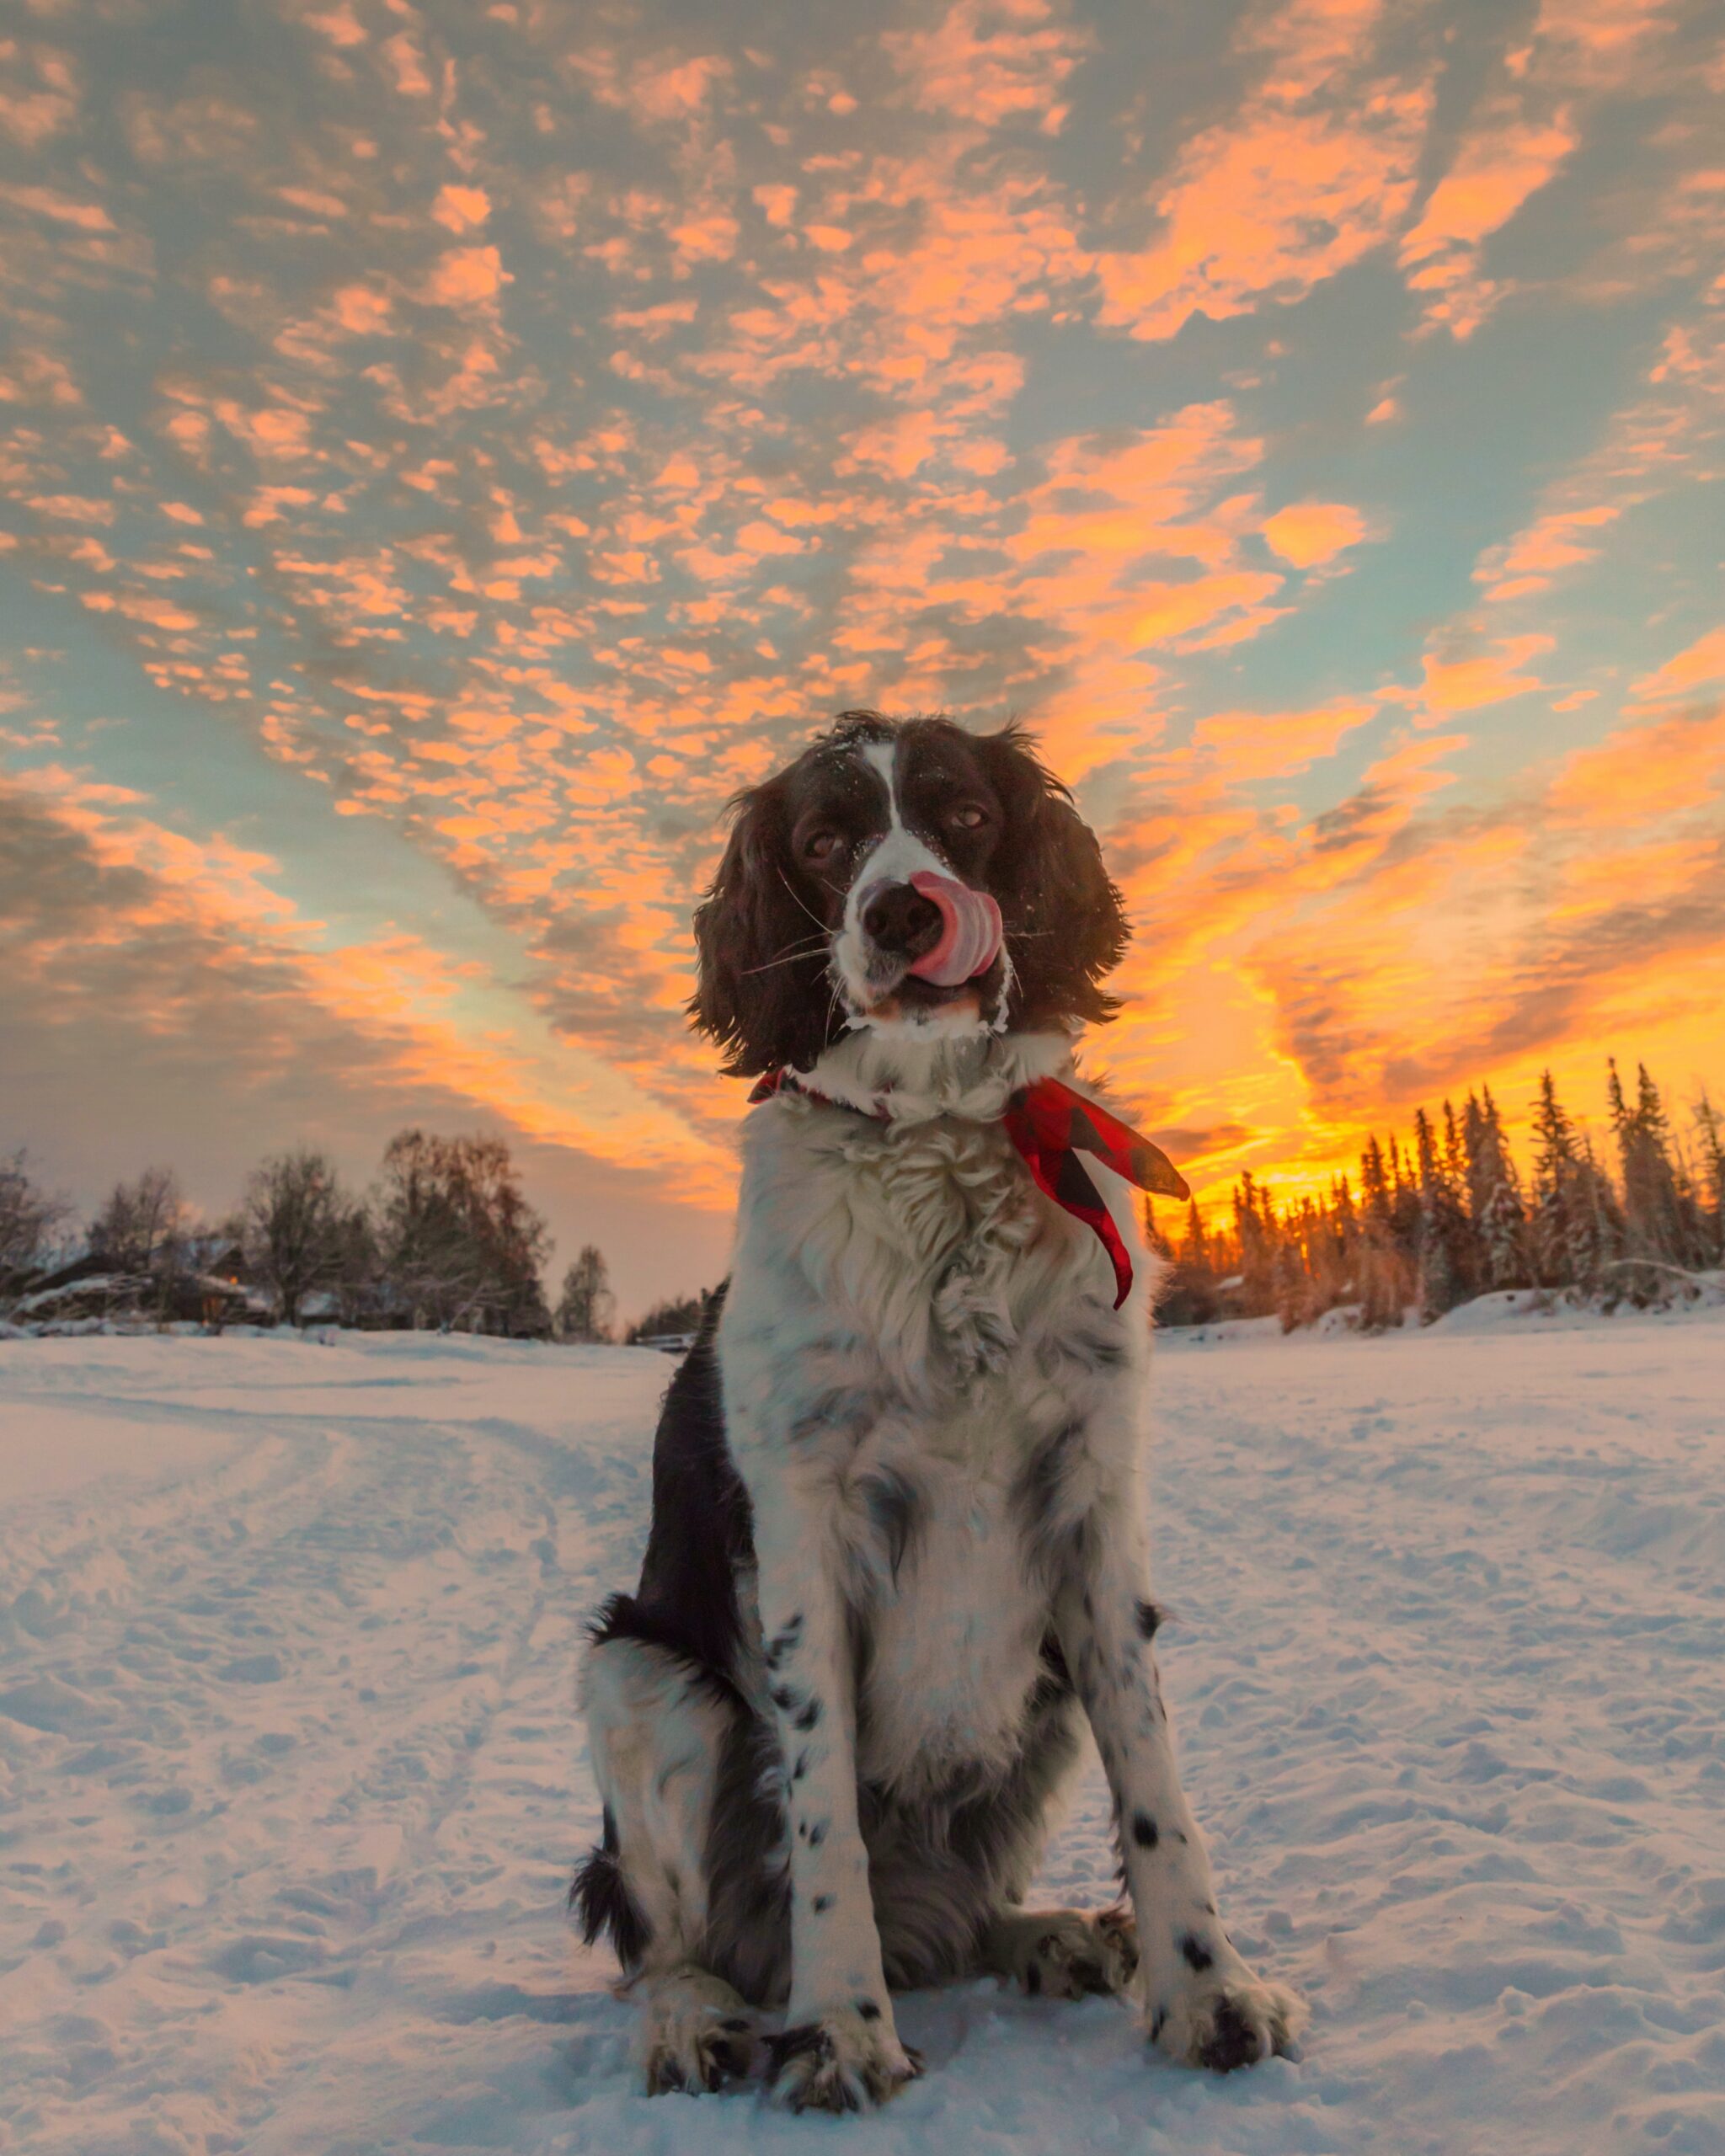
x=290 y=1783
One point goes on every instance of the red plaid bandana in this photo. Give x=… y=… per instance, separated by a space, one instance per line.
x=1050 y=1124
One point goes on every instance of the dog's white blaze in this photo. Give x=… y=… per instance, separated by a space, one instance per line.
x=899 y=855
x=882 y=756
x=894 y=858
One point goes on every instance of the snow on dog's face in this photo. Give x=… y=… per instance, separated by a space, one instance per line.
x=903 y=874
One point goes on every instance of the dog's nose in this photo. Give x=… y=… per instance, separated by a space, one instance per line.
x=900 y=922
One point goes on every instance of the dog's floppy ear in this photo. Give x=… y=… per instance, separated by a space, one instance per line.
x=1065 y=925
x=765 y=1009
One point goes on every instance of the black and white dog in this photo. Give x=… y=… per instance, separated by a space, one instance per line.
x=898 y=1539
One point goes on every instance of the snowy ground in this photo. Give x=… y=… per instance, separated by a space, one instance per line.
x=290 y=1784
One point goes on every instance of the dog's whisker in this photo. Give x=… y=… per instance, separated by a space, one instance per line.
x=811 y=950
x=803 y=902
x=804 y=942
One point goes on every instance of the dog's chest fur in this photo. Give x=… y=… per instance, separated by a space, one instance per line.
x=932 y=1340
x=950 y=1606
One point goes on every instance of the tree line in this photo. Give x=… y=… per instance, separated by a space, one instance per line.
x=1447 y=1215
x=444 y=1238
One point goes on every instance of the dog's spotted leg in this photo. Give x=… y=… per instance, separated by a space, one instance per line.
x=657 y=1730
x=1200 y=2001
x=839 y=2049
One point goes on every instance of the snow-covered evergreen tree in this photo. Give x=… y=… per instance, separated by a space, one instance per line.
x=1383 y=1268
x=1661 y=1216
x=1494 y=1200
x=1255 y=1224
x=1194 y=1250
x=1446 y=1270
x=1558 y=1206
x=1597 y=1229
x=1710 y=1143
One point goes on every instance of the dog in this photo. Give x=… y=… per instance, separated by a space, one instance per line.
x=897 y=1555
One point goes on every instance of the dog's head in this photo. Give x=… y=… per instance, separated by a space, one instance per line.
x=903 y=874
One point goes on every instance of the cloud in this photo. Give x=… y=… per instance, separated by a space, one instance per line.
x=524 y=441
x=460 y=209
x=1529 y=122
x=1698 y=666
x=1310 y=533
x=467 y=276
x=988 y=64
x=1463 y=677
x=40 y=92
x=1500 y=164
x=1645 y=771
x=1252 y=744
x=102 y=899
x=1311 y=173
x=1531 y=562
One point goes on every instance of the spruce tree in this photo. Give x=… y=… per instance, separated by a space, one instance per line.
x=1194 y=1251
x=1711 y=1145
x=1654 y=1210
x=1255 y=1223
x=1557 y=1190
x=1291 y=1284
x=1598 y=1237
x=1382 y=1270
x=1446 y=1266
x=1455 y=1148
x=1494 y=1199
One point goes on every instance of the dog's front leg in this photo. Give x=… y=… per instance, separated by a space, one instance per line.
x=1200 y=2002
x=840 y=2050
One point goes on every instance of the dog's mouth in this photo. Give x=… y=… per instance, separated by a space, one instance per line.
x=931 y=951
x=911 y=998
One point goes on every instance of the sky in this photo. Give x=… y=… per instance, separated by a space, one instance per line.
x=451 y=448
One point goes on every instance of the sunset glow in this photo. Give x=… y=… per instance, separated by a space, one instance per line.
x=453 y=448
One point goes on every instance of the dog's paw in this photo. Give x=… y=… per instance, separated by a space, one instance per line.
x=1066 y=1954
x=696 y=2036
x=848 y=2060
x=1231 y=2021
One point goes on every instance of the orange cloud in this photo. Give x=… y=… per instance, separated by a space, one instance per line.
x=1315 y=170
x=1529 y=562
x=1643 y=772
x=1530 y=122
x=461 y=209
x=397 y=993
x=1307 y=533
x=60 y=209
x=467 y=276
x=1702 y=663
x=1253 y=744
x=989 y=64
x=1476 y=678
x=1495 y=171
x=42 y=95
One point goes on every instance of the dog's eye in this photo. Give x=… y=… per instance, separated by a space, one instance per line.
x=821 y=846
x=969 y=817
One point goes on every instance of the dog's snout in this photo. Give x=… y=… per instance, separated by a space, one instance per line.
x=898 y=921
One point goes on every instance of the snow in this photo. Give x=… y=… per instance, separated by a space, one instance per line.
x=291 y=1782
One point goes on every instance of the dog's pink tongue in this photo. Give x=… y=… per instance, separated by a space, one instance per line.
x=970 y=930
